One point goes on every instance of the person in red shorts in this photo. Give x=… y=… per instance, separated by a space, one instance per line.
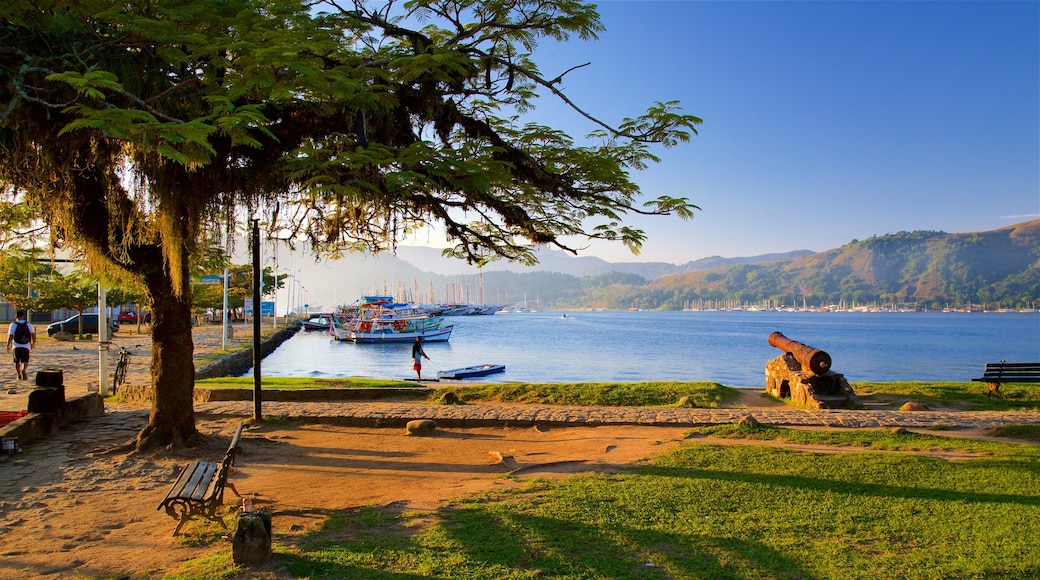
x=417 y=356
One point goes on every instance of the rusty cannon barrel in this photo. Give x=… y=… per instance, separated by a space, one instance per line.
x=811 y=358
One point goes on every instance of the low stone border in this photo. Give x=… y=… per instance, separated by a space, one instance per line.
x=35 y=425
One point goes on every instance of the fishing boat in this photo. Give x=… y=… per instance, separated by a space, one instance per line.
x=378 y=325
x=470 y=372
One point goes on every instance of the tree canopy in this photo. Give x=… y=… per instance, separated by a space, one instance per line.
x=137 y=130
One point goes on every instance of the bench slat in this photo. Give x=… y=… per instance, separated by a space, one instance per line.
x=200 y=488
x=182 y=480
x=1010 y=374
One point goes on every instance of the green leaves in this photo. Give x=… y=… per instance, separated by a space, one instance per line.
x=93 y=84
x=236 y=122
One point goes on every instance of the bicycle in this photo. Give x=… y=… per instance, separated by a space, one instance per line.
x=120 y=375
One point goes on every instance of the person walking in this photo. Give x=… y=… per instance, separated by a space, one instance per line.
x=21 y=337
x=417 y=356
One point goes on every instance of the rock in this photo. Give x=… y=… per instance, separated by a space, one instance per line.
x=504 y=459
x=449 y=398
x=421 y=427
x=912 y=406
x=252 y=542
x=749 y=421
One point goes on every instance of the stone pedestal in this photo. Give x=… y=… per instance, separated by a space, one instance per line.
x=785 y=379
x=252 y=542
x=46 y=400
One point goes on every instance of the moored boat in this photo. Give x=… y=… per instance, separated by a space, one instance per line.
x=319 y=322
x=470 y=372
x=377 y=325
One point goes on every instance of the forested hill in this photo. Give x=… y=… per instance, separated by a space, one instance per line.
x=927 y=268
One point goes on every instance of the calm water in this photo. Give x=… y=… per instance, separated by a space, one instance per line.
x=727 y=347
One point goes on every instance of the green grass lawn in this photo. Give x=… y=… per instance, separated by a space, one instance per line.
x=962 y=396
x=865 y=504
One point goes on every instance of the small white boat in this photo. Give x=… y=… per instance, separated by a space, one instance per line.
x=319 y=322
x=470 y=372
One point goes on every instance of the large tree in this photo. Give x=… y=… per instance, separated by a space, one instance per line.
x=134 y=130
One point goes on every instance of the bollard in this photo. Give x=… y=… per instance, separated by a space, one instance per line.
x=252 y=542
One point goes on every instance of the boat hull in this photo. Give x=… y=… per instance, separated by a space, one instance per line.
x=470 y=372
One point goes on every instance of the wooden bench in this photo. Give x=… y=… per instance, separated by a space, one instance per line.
x=199 y=490
x=1005 y=372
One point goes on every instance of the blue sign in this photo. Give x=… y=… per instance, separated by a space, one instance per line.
x=266 y=308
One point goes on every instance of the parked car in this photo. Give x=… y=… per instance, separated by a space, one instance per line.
x=127 y=317
x=71 y=325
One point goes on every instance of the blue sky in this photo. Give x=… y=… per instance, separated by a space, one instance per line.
x=824 y=122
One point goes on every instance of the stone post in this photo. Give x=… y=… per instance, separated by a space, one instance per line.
x=252 y=542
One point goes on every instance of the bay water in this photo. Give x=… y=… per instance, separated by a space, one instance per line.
x=728 y=347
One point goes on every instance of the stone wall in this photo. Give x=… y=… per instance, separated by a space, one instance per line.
x=35 y=425
x=237 y=363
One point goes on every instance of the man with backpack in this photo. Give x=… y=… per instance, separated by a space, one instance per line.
x=21 y=337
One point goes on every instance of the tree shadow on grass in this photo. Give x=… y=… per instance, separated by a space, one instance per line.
x=480 y=541
x=543 y=546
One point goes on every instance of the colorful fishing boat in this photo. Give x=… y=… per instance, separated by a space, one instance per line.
x=376 y=325
x=470 y=372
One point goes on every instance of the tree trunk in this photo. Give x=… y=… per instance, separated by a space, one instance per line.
x=172 y=420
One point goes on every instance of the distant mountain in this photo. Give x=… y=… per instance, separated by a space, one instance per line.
x=999 y=267
x=431 y=260
x=417 y=273
x=713 y=262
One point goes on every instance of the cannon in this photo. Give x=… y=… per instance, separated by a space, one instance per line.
x=803 y=374
x=814 y=359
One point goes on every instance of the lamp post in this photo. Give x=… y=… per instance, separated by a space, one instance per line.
x=257 y=356
x=102 y=341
